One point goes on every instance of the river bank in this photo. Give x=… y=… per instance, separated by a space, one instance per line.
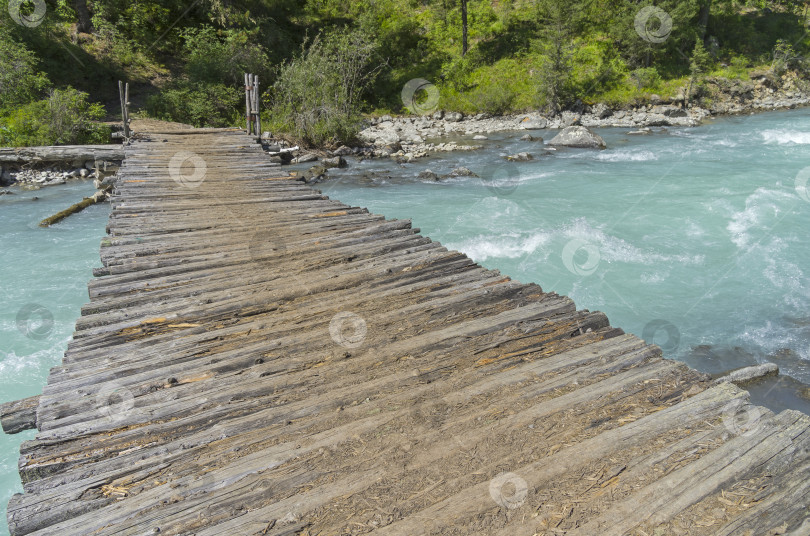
x=406 y=138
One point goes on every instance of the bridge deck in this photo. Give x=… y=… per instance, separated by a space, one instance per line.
x=257 y=359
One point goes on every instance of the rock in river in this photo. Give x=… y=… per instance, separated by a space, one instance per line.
x=462 y=172
x=580 y=137
x=520 y=157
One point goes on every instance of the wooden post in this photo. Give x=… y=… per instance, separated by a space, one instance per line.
x=126 y=110
x=247 y=101
x=123 y=106
x=258 y=119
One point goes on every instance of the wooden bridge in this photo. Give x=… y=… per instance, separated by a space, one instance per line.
x=257 y=359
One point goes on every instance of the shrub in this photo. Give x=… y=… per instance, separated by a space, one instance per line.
x=64 y=118
x=20 y=82
x=202 y=105
x=318 y=95
x=646 y=77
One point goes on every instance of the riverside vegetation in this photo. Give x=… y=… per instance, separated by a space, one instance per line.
x=325 y=64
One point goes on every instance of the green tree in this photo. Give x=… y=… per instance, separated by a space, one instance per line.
x=20 y=81
x=558 y=49
x=698 y=66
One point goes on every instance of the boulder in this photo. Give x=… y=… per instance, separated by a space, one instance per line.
x=674 y=111
x=438 y=115
x=461 y=171
x=601 y=110
x=570 y=119
x=428 y=175
x=580 y=137
x=304 y=158
x=335 y=162
x=342 y=151
x=386 y=137
x=528 y=137
x=534 y=123
x=6 y=192
x=453 y=117
x=314 y=174
x=656 y=120
x=520 y=157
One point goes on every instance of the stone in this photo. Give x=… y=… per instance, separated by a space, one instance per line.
x=656 y=120
x=480 y=137
x=83 y=173
x=314 y=174
x=6 y=192
x=90 y=164
x=570 y=119
x=601 y=110
x=580 y=137
x=438 y=115
x=342 y=151
x=674 y=111
x=520 y=157
x=304 y=158
x=461 y=171
x=335 y=162
x=454 y=117
x=534 y=123
x=640 y=132
x=428 y=175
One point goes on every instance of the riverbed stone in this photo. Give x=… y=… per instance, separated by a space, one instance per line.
x=461 y=171
x=601 y=110
x=342 y=151
x=533 y=123
x=428 y=175
x=579 y=137
x=335 y=162
x=520 y=157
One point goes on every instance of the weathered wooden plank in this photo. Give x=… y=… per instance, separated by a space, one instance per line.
x=19 y=415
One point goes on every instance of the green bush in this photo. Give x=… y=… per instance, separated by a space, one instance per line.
x=201 y=105
x=317 y=96
x=64 y=118
x=646 y=78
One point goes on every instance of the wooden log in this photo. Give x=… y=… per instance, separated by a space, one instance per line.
x=749 y=374
x=19 y=415
x=98 y=197
x=62 y=153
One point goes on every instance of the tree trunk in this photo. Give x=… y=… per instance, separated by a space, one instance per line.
x=703 y=18
x=463 y=27
x=83 y=23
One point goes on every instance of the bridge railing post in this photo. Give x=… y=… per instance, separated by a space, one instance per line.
x=253 y=121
